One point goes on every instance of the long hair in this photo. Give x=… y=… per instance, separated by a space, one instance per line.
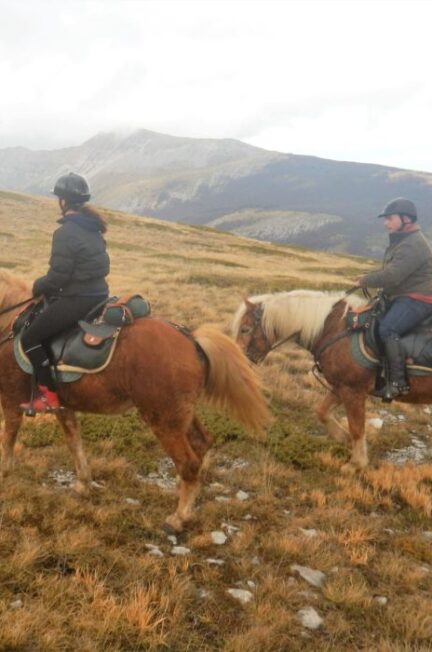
x=91 y=212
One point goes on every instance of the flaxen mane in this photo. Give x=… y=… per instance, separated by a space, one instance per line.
x=299 y=311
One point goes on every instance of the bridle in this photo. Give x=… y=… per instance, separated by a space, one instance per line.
x=257 y=315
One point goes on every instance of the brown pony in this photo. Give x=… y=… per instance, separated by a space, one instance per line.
x=313 y=320
x=158 y=370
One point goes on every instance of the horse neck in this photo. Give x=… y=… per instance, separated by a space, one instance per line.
x=13 y=290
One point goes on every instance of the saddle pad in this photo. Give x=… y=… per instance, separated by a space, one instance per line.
x=73 y=356
x=421 y=355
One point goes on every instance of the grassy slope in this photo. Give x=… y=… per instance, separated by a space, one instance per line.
x=81 y=568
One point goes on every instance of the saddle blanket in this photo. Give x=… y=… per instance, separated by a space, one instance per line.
x=417 y=347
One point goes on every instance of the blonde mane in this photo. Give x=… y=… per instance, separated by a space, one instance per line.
x=13 y=289
x=299 y=312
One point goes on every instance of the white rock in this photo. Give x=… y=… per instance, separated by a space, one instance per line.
x=376 y=423
x=156 y=552
x=215 y=562
x=381 y=599
x=97 y=485
x=241 y=594
x=427 y=535
x=309 y=533
x=180 y=550
x=16 y=604
x=221 y=499
x=309 y=618
x=242 y=495
x=314 y=577
x=132 y=501
x=217 y=486
x=172 y=539
x=427 y=410
x=231 y=529
x=251 y=584
x=218 y=537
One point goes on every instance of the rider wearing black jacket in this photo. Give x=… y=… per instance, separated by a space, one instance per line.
x=74 y=284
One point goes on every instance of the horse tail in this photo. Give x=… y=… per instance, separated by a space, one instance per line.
x=231 y=383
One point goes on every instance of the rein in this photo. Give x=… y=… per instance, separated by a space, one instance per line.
x=17 y=305
x=10 y=335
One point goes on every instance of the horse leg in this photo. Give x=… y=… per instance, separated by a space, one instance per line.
x=12 y=423
x=199 y=438
x=187 y=459
x=355 y=406
x=323 y=412
x=72 y=432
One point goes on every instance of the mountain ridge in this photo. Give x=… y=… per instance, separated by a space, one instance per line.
x=202 y=181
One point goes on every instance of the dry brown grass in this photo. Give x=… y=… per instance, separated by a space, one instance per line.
x=80 y=567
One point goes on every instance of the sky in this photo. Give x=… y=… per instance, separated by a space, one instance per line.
x=339 y=79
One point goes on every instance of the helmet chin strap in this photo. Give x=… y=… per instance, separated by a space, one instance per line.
x=403 y=222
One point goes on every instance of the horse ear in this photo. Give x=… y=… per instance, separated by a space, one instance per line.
x=249 y=304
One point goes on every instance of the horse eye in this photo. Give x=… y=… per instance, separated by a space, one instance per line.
x=244 y=330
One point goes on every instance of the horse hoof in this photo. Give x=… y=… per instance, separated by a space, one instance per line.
x=173 y=525
x=349 y=469
x=80 y=488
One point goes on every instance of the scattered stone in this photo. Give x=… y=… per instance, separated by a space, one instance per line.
x=132 y=501
x=154 y=550
x=16 y=604
x=376 y=423
x=241 y=594
x=172 y=539
x=202 y=594
x=251 y=584
x=242 y=495
x=427 y=535
x=309 y=533
x=287 y=512
x=255 y=561
x=310 y=618
x=64 y=479
x=222 y=499
x=163 y=478
x=388 y=530
x=427 y=410
x=314 y=577
x=231 y=529
x=381 y=599
x=416 y=452
x=97 y=485
x=218 y=537
x=217 y=486
x=180 y=551
x=215 y=562
x=249 y=517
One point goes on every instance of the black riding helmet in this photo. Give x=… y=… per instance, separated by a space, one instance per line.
x=73 y=188
x=400 y=206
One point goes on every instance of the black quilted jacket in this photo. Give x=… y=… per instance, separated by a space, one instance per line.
x=79 y=261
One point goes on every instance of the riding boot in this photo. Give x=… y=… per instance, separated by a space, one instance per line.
x=45 y=401
x=46 y=398
x=396 y=384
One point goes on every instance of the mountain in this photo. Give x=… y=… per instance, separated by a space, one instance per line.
x=227 y=184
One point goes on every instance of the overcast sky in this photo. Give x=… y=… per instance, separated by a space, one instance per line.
x=344 y=79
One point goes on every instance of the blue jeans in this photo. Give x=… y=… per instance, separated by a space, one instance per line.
x=402 y=316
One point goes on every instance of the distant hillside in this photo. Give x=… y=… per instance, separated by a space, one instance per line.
x=305 y=200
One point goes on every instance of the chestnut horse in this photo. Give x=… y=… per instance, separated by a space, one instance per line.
x=313 y=320
x=156 y=369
